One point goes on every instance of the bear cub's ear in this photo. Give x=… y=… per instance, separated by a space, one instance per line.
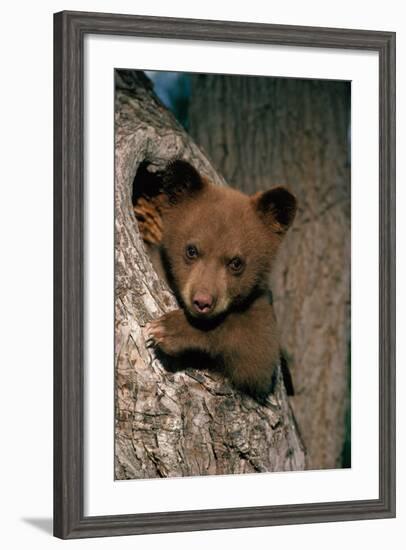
x=277 y=207
x=180 y=180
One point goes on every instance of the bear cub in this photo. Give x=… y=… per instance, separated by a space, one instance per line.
x=218 y=246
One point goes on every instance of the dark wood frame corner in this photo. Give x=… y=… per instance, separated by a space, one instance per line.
x=69 y=31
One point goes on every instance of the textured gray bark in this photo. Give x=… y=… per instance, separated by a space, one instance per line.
x=265 y=131
x=190 y=422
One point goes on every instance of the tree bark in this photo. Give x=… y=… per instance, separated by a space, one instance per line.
x=261 y=132
x=190 y=422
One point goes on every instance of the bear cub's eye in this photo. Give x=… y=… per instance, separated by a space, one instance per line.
x=191 y=252
x=236 y=265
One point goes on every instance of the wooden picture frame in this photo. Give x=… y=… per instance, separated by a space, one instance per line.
x=69 y=31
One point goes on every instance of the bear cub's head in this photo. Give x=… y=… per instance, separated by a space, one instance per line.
x=218 y=243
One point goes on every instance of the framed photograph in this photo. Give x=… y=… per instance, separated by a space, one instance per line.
x=224 y=274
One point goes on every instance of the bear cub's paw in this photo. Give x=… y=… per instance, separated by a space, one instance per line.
x=167 y=333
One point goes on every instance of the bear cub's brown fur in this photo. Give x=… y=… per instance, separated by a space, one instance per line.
x=218 y=246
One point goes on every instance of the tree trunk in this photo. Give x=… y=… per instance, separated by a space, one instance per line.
x=265 y=131
x=175 y=423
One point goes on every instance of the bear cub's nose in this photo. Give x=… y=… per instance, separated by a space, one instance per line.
x=203 y=302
